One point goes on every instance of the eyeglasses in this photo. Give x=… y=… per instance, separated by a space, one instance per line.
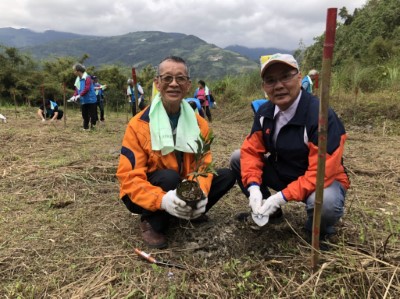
x=269 y=82
x=167 y=79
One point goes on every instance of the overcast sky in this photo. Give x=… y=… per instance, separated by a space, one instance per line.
x=252 y=23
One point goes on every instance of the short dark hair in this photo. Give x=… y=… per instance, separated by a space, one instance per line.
x=175 y=59
x=202 y=83
x=193 y=104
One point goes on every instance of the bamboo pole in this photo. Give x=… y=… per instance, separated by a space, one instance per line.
x=322 y=131
x=15 y=103
x=126 y=104
x=65 y=105
x=43 y=100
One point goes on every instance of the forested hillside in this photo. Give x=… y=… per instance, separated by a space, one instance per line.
x=366 y=54
x=366 y=58
x=137 y=49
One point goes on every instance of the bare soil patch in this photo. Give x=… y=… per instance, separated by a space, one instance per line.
x=65 y=234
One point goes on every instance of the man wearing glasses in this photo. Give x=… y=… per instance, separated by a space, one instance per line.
x=157 y=153
x=281 y=151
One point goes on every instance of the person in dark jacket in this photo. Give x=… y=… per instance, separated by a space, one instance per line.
x=281 y=151
x=50 y=111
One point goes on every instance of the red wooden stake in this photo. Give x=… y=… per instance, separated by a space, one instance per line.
x=322 y=131
x=135 y=89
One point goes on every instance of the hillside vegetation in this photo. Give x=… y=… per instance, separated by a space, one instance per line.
x=366 y=58
x=367 y=48
x=136 y=49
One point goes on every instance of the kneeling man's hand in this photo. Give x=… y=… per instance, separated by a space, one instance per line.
x=271 y=204
x=175 y=206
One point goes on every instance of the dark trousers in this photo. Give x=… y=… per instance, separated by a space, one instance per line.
x=270 y=178
x=59 y=116
x=100 y=104
x=89 y=114
x=141 y=107
x=168 y=180
x=133 y=106
x=207 y=112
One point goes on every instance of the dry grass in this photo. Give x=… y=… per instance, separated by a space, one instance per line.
x=64 y=233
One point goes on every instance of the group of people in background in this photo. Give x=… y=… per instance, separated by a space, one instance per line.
x=89 y=92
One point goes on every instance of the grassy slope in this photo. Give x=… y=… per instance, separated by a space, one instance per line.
x=64 y=234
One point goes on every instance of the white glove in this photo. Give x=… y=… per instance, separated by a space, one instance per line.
x=77 y=97
x=71 y=99
x=175 y=206
x=43 y=120
x=200 y=208
x=271 y=204
x=255 y=198
x=260 y=219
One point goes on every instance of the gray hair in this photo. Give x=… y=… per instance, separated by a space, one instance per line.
x=174 y=59
x=79 y=67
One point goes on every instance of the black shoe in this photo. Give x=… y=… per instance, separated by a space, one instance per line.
x=201 y=219
x=242 y=216
x=276 y=217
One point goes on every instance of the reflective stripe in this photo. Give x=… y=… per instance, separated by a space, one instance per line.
x=129 y=155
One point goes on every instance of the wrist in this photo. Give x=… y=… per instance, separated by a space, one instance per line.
x=253 y=186
x=283 y=196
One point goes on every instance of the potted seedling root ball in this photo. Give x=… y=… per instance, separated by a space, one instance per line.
x=189 y=189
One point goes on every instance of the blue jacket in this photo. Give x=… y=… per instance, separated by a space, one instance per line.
x=86 y=91
x=130 y=91
x=256 y=104
x=307 y=84
x=198 y=105
x=294 y=156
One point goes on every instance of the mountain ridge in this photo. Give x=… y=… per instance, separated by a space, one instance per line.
x=137 y=49
x=255 y=53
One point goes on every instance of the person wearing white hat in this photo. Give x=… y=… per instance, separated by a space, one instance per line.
x=281 y=151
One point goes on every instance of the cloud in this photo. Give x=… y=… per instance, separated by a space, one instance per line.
x=252 y=23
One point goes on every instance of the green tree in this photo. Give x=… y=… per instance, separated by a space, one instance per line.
x=16 y=69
